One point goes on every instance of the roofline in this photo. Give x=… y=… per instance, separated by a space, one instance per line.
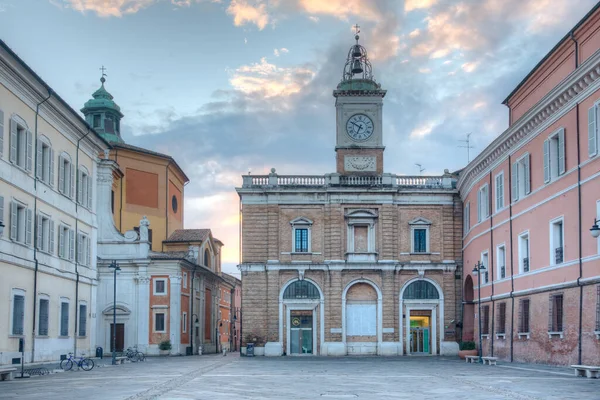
x=560 y=42
x=153 y=153
x=54 y=93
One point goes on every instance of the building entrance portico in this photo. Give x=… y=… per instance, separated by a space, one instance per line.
x=421 y=301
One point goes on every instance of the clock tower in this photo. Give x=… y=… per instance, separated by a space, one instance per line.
x=359 y=100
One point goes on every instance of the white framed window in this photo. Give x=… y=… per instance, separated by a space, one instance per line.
x=598 y=218
x=63 y=328
x=66 y=175
x=501 y=261
x=467 y=218
x=66 y=242
x=21 y=144
x=521 y=178
x=485 y=261
x=159 y=322
x=184 y=281
x=21 y=223
x=557 y=241
x=84 y=187
x=524 y=259
x=84 y=248
x=593 y=130
x=483 y=203
x=45 y=161
x=82 y=321
x=301 y=235
x=554 y=155
x=361 y=234
x=43 y=315
x=160 y=286
x=419 y=235
x=499 y=191
x=17 y=318
x=45 y=233
x=184 y=321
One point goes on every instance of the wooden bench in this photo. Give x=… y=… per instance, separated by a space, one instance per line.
x=489 y=360
x=471 y=359
x=586 y=370
x=6 y=374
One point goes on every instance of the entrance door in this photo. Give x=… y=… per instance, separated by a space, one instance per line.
x=120 y=337
x=301 y=332
x=419 y=334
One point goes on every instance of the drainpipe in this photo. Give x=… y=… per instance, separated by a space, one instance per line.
x=580 y=222
x=166 y=203
x=120 y=195
x=492 y=261
x=35 y=225
x=512 y=272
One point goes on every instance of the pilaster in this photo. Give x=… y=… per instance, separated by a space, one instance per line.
x=175 y=313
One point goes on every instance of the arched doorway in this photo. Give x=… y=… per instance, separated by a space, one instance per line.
x=422 y=305
x=301 y=301
x=361 y=314
x=468 y=311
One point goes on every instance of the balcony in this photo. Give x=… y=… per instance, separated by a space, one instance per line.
x=526 y=264
x=502 y=273
x=558 y=255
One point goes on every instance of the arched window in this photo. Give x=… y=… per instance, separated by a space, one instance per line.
x=301 y=290
x=421 y=290
x=206 y=258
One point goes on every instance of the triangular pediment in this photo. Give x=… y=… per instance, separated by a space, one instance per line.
x=420 y=221
x=301 y=221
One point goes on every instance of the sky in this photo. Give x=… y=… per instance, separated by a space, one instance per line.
x=228 y=87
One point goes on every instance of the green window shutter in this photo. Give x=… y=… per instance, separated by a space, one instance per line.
x=561 y=152
x=547 y=161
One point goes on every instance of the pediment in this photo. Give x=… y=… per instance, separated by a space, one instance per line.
x=362 y=213
x=420 y=221
x=301 y=221
x=120 y=310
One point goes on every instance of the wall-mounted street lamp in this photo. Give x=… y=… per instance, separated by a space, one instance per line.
x=115 y=267
x=595 y=230
x=478 y=270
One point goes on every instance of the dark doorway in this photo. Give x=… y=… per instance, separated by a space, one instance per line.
x=468 y=311
x=120 y=337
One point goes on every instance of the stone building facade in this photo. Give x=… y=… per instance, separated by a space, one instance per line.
x=354 y=262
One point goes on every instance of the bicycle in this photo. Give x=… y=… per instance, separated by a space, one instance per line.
x=134 y=355
x=85 y=364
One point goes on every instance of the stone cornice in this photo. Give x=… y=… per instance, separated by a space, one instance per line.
x=567 y=93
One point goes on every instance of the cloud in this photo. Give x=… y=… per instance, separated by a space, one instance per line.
x=244 y=12
x=313 y=18
x=278 y=52
x=410 y=5
x=367 y=10
x=107 y=8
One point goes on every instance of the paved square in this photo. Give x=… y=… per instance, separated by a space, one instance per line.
x=232 y=377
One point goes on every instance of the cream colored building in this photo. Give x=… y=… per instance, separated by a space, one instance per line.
x=47 y=205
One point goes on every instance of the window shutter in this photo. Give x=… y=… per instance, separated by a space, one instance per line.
x=61 y=174
x=71 y=244
x=61 y=241
x=80 y=248
x=550 y=313
x=546 y=160
x=51 y=238
x=40 y=232
x=64 y=319
x=72 y=168
x=479 y=205
x=592 y=134
x=51 y=168
x=527 y=174
x=28 y=226
x=14 y=223
x=89 y=192
x=487 y=201
x=82 y=319
x=39 y=168
x=18 y=314
x=1 y=132
x=88 y=251
x=29 y=165
x=2 y=209
x=13 y=141
x=515 y=181
x=43 y=323
x=79 y=187
x=561 y=152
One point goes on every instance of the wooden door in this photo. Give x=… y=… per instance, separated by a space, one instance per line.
x=120 y=337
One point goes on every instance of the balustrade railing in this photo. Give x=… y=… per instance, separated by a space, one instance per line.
x=301 y=180
x=558 y=255
x=360 y=180
x=422 y=181
x=526 y=264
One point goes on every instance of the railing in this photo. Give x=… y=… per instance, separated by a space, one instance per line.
x=259 y=180
x=300 y=180
x=422 y=181
x=360 y=180
x=526 y=264
x=502 y=273
x=558 y=255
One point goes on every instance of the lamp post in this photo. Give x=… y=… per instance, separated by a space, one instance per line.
x=478 y=270
x=195 y=331
x=115 y=268
x=233 y=330
x=595 y=230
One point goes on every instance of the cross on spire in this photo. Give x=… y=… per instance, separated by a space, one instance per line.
x=103 y=74
x=356 y=29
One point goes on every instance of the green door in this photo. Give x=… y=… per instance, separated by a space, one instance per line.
x=425 y=340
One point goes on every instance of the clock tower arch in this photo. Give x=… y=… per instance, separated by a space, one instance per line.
x=359 y=102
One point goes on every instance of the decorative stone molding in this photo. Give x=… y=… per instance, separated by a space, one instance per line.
x=143 y=279
x=360 y=164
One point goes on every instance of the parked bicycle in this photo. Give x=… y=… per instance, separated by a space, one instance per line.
x=134 y=355
x=84 y=363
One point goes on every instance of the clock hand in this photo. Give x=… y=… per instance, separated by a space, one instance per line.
x=354 y=123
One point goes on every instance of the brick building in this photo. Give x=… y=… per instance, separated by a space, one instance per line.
x=353 y=262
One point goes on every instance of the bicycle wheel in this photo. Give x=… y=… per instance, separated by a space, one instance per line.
x=87 y=364
x=140 y=356
x=66 y=365
x=131 y=356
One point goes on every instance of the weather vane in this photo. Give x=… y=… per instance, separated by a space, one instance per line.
x=356 y=29
x=103 y=74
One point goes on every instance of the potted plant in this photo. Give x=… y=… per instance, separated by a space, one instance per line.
x=165 y=347
x=466 y=349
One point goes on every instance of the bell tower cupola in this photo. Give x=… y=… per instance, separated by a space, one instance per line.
x=103 y=114
x=359 y=101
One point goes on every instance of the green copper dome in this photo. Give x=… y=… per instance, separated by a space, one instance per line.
x=101 y=99
x=103 y=114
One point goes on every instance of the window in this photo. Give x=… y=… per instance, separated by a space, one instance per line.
x=174 y=204
x=45 y=233
x=184 y=322
x=521 y=178
x=420 y=235
x=485 y=261
x=593 y=130
x=18 y=312
x=499 y=191
x=96 y=120
x=524 y=261
x=524 y=316
x=66 y=175
x=467 y=218
x=64 y=318
x=84 y=188
x=206 y=258
x=2 y=210
x=598 y=308
x=159 y=322
x=554 y=155
x=109 y=125
x=184 y=281
x=82 y=319
x=483 y=203
x=301 y=290
x=66 y=243
x=501 y=325
x=21 y=145
x=301 y=230
x=160 y=286
x=21 y=219
x=501 y=254
x=45 y=161
x=555 y=318
x=84 y=248
x=556 y=242
x=421 y=290
x=485 y=329
x=1 y=132
x=43 y=317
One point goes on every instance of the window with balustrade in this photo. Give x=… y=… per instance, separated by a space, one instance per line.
x=524 y=259
x=557 y=241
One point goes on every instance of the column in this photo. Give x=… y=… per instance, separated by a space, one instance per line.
x=175 y=313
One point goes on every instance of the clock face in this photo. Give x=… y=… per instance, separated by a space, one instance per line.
x=359 y=127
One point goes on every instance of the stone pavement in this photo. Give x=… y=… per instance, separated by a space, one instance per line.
x=216 y=377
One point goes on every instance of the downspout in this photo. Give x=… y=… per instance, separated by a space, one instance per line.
x=166 y=204
x=512 y=274
x=580 y=222
x=120 y=195
x=78 y=183
x=35 y=225
x=492 y=261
